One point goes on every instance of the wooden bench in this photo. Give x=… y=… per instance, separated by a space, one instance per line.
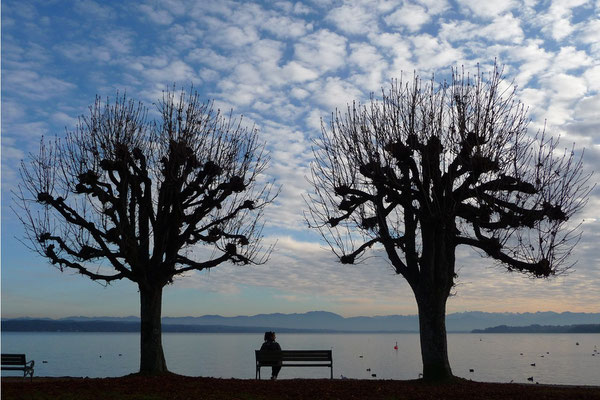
x=17 y=362
x=294 y=358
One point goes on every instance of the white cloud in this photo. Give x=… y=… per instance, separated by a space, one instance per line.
x=435 y=7
x=488 y=9
x=93 y=9
x=592 y=78
x=32 y=85
x=569 y=58
x=365 y=56
x=173 y=71
x=565 y=87
x=285 y=27
x=295 y=72
x=557 y=19
x=211 y=58
x=532 y=61
x=410 y=16
x=337 y=93
x=299 y=93
x=353 y=18
x=371 y=66
x=590 y=32
x=322 y=50
x=433 y=53
x=505 y=28
x=159 y=16
x=64 y=119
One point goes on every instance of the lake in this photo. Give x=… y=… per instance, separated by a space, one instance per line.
x=493 y=357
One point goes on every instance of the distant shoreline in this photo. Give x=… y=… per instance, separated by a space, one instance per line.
x=582 y=328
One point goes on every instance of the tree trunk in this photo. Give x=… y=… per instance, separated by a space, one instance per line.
x=152 y=359
x=432 y=329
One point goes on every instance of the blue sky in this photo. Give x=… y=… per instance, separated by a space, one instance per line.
x=284 y=65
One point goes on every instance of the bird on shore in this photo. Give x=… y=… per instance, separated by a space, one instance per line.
x=530 y=379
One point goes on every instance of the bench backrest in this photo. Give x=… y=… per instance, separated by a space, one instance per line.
x=13 y=359
x=293 y=355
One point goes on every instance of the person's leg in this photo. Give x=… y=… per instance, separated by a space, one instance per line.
x=275 y=371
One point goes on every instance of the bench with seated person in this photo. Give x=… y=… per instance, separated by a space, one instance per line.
x=293 y=358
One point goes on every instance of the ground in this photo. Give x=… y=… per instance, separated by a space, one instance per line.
x=175 y=387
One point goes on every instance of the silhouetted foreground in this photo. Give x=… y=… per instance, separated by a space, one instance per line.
x=180 y=387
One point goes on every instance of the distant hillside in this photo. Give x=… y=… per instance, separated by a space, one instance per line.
x=326 y=321
x=591 y=328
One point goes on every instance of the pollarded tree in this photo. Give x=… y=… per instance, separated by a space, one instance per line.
x=125 y=197
x=433 y=166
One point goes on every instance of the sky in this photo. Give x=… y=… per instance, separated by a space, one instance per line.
x=284 y=66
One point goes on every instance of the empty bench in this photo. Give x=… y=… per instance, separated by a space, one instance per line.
x=294 y=358
x=17 y=362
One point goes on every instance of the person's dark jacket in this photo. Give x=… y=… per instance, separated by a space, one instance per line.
x=271 y=346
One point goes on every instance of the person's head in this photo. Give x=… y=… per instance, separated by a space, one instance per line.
x=269 y=336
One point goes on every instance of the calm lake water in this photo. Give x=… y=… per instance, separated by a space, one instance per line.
x=493 y=357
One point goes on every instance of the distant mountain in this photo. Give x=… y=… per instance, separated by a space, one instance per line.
x=310 y=320
x=45 y=325
x=592 y=328
x=456 y=322
x=327 y=321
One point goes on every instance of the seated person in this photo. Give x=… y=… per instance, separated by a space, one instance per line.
x=271 y=345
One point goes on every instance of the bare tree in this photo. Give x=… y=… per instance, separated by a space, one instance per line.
x=122 y=196
x=434 y=166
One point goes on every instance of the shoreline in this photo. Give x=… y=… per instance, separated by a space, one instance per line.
x=172 y=386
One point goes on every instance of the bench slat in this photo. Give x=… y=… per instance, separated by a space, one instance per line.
x=13 y=359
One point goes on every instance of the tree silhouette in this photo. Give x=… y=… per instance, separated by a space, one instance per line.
x=433 y=166
x=125 y=197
